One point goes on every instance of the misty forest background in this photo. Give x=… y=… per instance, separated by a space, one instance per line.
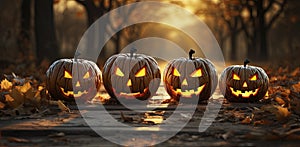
x=34 y=33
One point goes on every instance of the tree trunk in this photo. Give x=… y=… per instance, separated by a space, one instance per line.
x=233 y=52
x=234 y=32
x=46 y=43
x=24 y=36
x=262 y=41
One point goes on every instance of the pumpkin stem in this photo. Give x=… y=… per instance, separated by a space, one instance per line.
x=246 y=62
x=191 y=54
x=132 y=51
x=77 y=53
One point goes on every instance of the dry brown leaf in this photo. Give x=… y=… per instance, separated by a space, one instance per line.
x=295 y=105
x=295 y=72
x=17 y=96
x=282 y=113
x=6 y=85
x=8 y=98
x=2 y=105
x=296 y=87
x=62 y=106
x=17 y=140
x=24 y=88
x=261 y=122
x=280 y=101
x=37 y=96
x=29 y=94
x=125 y=118
x=247 y=120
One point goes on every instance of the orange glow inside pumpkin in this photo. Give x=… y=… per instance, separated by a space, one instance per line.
x=67 y=75
x=188 y=93
x=87 y=75
x=196 y=73
x=253 y=78
x=119 y=72
x=236 y=77
x=176 y=72
x=141 y=72
x=244 y=93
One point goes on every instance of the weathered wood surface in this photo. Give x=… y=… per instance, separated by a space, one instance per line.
x=71 y=129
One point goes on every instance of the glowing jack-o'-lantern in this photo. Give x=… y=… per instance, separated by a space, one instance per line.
x=60 y=81
x=190 y=78
x=243 y=83
x=131 y=75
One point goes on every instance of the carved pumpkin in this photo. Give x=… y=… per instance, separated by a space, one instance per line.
x=190 y=78
x=240 y=83
x=60 y=80
x=131 y=75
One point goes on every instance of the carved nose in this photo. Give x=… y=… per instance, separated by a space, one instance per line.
x=77 y=84
x=184 y=82
x=245 y=85
x=129 y=83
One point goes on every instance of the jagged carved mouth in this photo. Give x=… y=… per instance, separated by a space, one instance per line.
x=244 y=93
x=71 y=93
x=131 y=95
x=188 y=93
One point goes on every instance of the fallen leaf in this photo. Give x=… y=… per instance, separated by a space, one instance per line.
x=295 y=105
x=18 y=98
x=126 y=118
x=262 y=122
x=280 y=101
x=295 y=72
x=2 y=105
x=247 y=120
x=282 y=113
x=29 y=94
x=24 y=88
x=8 y=98
x=296 y=87
x=227 y=135
x=6 y=85
x=62 y=106
x=17 y=140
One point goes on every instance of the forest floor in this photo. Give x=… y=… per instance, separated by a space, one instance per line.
x=29 y=118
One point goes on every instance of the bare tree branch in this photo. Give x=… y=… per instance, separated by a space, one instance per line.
x=276 y=15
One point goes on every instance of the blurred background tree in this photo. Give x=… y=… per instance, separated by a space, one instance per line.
x=33 y=30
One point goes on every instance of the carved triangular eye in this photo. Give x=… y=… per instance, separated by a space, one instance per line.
x=87 y=75
x=67 y=75
x=176 y=72
x=196 y=73
x=141 y=72
x=236 y=77
x=253 y=78
x=119 y=72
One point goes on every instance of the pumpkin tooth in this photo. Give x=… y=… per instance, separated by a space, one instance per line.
x=244 y=93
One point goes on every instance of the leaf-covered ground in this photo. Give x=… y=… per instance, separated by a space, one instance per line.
x=274 y=120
